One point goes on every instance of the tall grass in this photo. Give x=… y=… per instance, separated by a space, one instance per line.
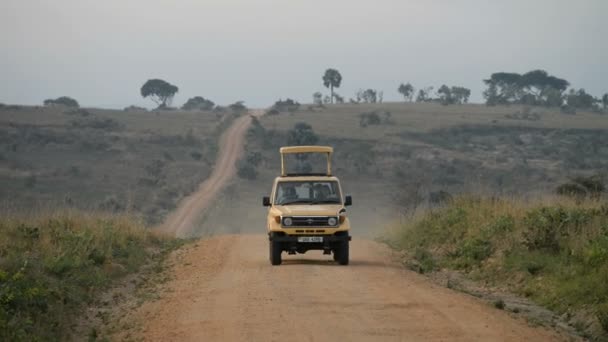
x=52 y=265
x=554 y=250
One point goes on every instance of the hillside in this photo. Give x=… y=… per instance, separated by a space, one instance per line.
x=420 y=154
x=93 y=159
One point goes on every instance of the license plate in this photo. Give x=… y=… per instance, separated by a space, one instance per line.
x=310 y=239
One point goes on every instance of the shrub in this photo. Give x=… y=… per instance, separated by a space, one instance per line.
x=246 y=170
x=367 y=119
x=62 y=101
x=238 y=107
x=30 y=181
x=106 y=124
x=602 y=316
x=133 y=108
x=286 y=105
x=581 y=187
x=52 y=266
x=196 y=155
x=80 y=112
x=198 y=103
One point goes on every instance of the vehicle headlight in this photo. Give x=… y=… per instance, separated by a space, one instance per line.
x=332 y=221
x=287 y=221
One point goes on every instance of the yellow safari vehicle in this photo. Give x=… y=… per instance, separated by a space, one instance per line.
x=307 y=211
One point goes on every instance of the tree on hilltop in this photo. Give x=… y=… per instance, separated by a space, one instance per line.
x=407 y=90
x=159 y=91
x=332 y=79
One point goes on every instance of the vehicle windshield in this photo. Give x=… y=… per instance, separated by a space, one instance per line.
x=307 y=192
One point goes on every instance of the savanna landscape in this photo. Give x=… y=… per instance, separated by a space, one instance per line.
x=135 y=212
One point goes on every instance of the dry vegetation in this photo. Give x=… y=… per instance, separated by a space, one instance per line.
x=53 y=265
x=553 y=250
x=142 y=162
x=422 y=153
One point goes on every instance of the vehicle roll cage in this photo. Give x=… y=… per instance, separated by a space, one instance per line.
x=306 y=149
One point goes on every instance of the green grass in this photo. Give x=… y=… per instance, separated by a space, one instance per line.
x=52 y=266
x=553 y=250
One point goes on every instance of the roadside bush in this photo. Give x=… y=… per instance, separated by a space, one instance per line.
x=53 y=266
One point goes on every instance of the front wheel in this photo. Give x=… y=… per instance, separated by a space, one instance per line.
x=275 y=253
x=341 y=254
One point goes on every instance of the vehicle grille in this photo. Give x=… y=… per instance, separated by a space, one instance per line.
x=310 y=221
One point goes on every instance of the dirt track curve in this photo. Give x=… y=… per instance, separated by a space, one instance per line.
x=181 y=221
x=224 y=289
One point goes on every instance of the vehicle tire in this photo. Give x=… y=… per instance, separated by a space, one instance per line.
x=341 y=254
x=275 y=253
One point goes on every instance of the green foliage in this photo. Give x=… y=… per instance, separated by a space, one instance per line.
x=288 y=105
x=580 y=99
x=62 y=101
x=106 y=124
x=302 y=134
x=198 y=103
x=371 y=118
x=238 y=107
x=536 y=87
x=424 y=94
x=246 y=170
x=332 y=79
x=407 y=90
x=581 y=187
x=556 y=254
x=51 y=267
x=317 y=98
x=159 y=91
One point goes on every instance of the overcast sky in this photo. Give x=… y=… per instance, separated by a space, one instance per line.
x=101 y=52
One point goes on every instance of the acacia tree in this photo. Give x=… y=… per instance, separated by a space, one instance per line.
x=605 y=101
x=424 y=94
x=332 y=79
x=159 y=91
x=460 y=95
x=407 y=90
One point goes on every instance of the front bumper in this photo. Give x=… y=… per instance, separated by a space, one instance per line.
x=326 y=238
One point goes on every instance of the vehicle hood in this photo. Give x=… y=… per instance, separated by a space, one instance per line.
x=308 y=210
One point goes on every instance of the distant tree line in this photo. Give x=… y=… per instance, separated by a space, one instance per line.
x=533 y=88
x=538 y=88
x=444 y=95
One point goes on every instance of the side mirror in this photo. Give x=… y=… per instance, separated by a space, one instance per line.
x=348 y=200
x=266 y=201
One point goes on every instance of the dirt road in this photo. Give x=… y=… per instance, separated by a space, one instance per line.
x=181 y=221
x=224 y=289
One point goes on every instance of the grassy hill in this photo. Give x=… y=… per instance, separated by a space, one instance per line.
x=418 y=154
x=94 y=159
